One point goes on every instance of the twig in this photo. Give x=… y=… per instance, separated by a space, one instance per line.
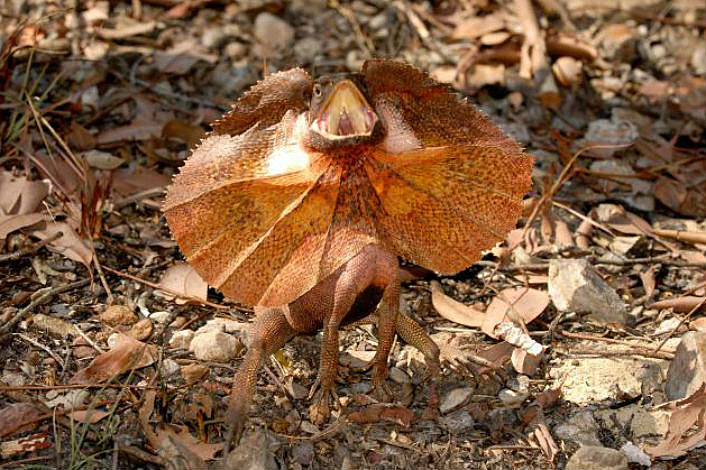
x=101 y=276
x=138 y=197
x=364 y=43
x=29 y=249
x=165 y=289
x=19 y=316
x=41 y=346
x=589 y=337
x=685 y=318
x=563 y=176
x=611 y=353
x=142 y=455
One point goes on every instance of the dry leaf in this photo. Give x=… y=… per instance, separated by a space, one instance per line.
x=682 y=304
x=69 y=244
x=381 y=411
x=178 y=129
x=127 y=354
x=184 y=280
x=102 y=160
x=18 y=417
x=24 y=444
x=453 y=309
x=10 y=223
x=18 y=195
x=523 y=362
x=181 y=435
x=687 y=426
x=519 y=304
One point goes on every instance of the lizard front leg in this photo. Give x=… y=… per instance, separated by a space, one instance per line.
x=353 y=280
x=269 y=334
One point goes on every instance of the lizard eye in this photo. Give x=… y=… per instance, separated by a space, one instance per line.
x=317 y=90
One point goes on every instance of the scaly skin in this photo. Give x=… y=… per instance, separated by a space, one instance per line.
x=372 y=274
x=305 y=194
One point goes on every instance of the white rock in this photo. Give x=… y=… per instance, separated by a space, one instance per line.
x=272 y=32
x=590 y=457
x=635 y=454
x=214 y=345
x=512 y=398
x=687 y=371
x=455 y=398
x=581 y=428
x=181 y=339
x=595 y=379
x=574 y=286
x=458 y=421
x=159 y=317
x=223 y=324
x=170 y=368
x=399 y=376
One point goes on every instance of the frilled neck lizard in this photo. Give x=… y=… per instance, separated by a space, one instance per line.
x=305 y=194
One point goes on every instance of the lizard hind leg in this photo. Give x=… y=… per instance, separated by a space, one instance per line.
x=269 y=333
x=413 y=334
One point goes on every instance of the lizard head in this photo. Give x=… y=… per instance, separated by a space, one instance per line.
x=340 y=114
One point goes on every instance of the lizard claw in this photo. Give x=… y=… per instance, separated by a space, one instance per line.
x=235 y=417
x=381 y=389
x=320 y=408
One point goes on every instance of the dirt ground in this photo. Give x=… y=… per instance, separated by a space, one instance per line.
x=578 y=343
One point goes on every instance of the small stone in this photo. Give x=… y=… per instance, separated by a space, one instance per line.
x=307 y=49
x=223 y=324
x=687 y=371
x=581 y=428
x=575 y=286
x=379 y=21
x=213 y=37
x=254 y=452
x=635 y=454
x=235 y=50
x=520 y=383
x=272 y=32
x=232 y=78
x=81 y=349
x=592 y=457
x=399 y=376
x=116 y=315
x=170 y=368
x=357 y=359
x=458 y=421
x=215 y=345
x=303 y=453
x=160 y=317
x=193 y=373
x=142 y=329
x=610 y=132
x=512 y=398
x=181 y=339
x=618 y=42
x=455 y=398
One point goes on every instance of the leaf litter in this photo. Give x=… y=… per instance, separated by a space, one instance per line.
x=89 y=145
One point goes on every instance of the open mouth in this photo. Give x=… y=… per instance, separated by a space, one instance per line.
x=346 y=113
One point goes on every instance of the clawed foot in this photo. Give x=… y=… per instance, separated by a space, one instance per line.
x=322 y=397
x=235 y=417
x=381 y=389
